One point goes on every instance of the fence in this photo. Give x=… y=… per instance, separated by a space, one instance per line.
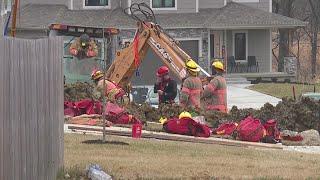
x=31 y=108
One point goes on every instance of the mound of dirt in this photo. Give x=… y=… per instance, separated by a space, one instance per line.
x=78 y=91
x=294 y=115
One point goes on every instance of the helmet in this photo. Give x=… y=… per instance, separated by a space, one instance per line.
x=192 y=66
x=163 y=70
x=84 y=39
x=218 y=65
x=96 y=74
x=162 y=120
x=185 y=114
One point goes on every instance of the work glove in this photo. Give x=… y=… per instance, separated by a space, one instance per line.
x=91 y=53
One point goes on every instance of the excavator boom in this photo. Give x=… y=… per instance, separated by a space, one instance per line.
x=148 y=35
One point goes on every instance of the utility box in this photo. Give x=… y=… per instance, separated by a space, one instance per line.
x=290 y=65
x=311 y=95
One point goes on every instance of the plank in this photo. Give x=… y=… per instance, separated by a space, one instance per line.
x=31 y=142
x=15 y=110
x=2 y=103
x=23 y=116
x=34 y=129
x=174 y=137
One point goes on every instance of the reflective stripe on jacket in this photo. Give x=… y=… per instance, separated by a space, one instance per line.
x=215 y=95
x=191 y=92
x=112 y=91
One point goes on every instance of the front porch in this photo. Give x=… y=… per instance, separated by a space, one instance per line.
x=241 y=50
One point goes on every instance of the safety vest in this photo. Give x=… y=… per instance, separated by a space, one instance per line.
x=191 y=92
x=111 y=89
x=217 y=94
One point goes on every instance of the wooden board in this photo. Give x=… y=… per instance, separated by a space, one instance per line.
x=174 y=137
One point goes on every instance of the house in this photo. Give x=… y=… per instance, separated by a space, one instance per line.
x=5 y=7
x=206 y=29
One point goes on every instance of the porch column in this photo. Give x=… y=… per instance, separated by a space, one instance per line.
x=225 y=54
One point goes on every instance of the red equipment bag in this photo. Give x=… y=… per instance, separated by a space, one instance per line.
x=250 y=129
x=118 y=115
x=272 y=132
x=87 y=106
x=186 y=126
x=70 y=109
x=226 y=128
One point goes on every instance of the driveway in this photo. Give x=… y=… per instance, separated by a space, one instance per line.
x=241 y=97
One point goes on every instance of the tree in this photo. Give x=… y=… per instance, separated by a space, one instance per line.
x=283 y=7
x=314 y=27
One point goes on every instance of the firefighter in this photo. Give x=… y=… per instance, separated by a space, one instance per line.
x=165 y=86
x=214 y=96
x=84 y=47
x=112 y=92
x=191 y=87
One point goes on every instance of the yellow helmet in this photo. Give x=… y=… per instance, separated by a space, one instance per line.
x=96 y=74
x=192 y=66
x=185 y=114
x=218 y=65
x=162 y=120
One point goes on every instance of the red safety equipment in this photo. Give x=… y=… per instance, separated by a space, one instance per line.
x=225 y=128
x=118 y=115
x=216 y=92
x=163 y=70
x=186 y=126
x=136 y=130
x=251 y=129
x=272 y=132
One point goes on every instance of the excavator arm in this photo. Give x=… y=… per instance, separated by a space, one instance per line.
x=149 y=35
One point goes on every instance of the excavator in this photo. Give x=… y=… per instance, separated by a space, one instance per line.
x=149 y=34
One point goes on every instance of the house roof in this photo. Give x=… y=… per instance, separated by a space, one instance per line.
x=238 y=15
x=233 y=15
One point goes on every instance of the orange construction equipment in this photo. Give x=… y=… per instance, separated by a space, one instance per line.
x=148 y=35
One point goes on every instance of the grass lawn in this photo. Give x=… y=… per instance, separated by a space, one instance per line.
x=281 y=90
x=125 y=158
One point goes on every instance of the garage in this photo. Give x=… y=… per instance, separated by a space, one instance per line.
x=146 y=73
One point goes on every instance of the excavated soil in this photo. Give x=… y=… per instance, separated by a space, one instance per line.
x=78 y=91
x=294 y=115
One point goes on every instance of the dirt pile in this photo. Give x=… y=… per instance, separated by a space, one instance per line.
x=78 y=91
x=293 y=115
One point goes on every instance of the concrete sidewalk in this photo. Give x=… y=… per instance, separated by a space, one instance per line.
x=241 y=97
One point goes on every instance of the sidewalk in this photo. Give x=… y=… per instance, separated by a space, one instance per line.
x=241 y=97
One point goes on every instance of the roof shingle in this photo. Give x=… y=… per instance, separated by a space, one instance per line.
x=233 y=15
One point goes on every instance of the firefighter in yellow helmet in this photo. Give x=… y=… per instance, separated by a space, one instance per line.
x=191 y=87
x=112 y=91
x=185 y=114
x=214 y=96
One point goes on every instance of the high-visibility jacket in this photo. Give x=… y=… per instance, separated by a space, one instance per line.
x=191 y=92
x=215 y=95
x=82 y=53
x=112 y=92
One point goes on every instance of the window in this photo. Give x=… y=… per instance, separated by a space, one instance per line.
x=246 y=1
x=7 y=7
x=240 y=45
x=96 y=4
x=164 y=4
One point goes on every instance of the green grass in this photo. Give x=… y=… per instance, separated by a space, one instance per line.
x=282 y=90
x=126 y=158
